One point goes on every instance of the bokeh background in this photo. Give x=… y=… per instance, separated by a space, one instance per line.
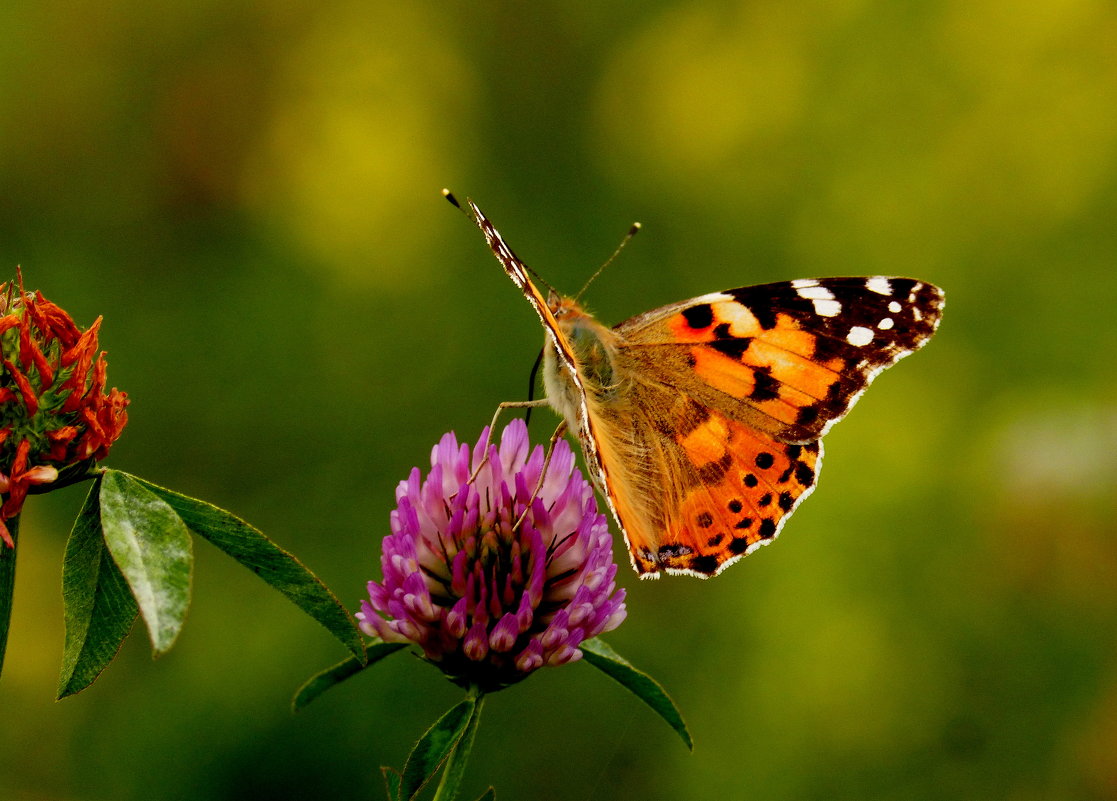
x=249 y=192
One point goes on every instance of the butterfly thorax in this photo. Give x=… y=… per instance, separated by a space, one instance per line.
x=592 y=347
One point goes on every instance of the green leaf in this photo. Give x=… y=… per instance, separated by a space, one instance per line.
x=151 y=546
x=488 y=795
x=434 y=747
x=391 y=782
x=7 y=585
x=459 y=756
x=599 y=654
x=99 y=608
x=331 y=677
x=267 y=560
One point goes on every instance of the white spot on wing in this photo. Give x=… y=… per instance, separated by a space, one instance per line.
x=827 y=308
x=895 y=307
x=814 y=292
x=859 y=336
x=822 y=298
x=885 y=324
x=713 y=297
x=879 y=284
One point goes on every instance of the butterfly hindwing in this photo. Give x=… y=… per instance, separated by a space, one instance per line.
x=722 y=488
x=736 y=511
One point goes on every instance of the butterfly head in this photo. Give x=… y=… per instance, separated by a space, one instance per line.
x=589 y=340
x=564 y=308
x=555 y=302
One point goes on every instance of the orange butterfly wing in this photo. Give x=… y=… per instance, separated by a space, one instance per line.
x=766 y=370
x=717 y=488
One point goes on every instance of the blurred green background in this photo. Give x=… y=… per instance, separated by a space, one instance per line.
x=249 y=192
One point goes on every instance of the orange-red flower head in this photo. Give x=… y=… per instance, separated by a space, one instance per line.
x=54 y=410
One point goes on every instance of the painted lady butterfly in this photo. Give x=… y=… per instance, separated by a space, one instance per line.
x=701 y=422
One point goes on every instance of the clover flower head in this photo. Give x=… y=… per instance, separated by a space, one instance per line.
x=489 y=577
x=55 y=412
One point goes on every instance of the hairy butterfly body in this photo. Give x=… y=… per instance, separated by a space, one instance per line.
x=701 y=421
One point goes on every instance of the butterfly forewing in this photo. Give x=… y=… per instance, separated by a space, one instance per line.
x=790 y=358
x=560 y=348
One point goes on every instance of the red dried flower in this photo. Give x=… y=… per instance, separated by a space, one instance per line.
x=54 y=410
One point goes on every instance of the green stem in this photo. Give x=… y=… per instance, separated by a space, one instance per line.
x=7 y=584
x=454 y=769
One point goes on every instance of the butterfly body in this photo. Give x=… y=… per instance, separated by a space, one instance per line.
x=593 y=350
x=701 y=422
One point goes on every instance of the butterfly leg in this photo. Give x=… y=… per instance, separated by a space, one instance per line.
x=531 y=404
x=559 y=433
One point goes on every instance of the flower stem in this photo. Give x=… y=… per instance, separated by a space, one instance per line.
x=7 y=584
x=454 y=769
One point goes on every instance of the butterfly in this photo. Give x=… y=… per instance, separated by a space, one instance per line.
x=701 y=422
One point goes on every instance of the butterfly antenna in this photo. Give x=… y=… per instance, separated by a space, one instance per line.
x=446 y=193
x=480 y=220
x=633 y=231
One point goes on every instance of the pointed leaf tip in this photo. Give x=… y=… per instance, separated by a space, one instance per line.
x=458 y=757
x=601 y=655
x=434 y=747
x=99 y=607
x=151 y=546
x=392 y=780
x=333 y=676
x=7 y=581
